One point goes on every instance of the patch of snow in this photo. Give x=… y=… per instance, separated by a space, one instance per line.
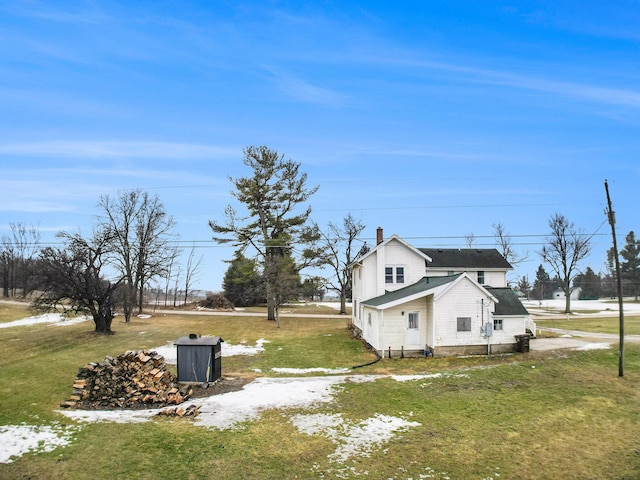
x=407 y=378
x=56 y=318
x=359 y=439
x=16 y=440
x=302 y=371
x=143 y=315
x=229 y=350
x=226 y=410
x=594 y=346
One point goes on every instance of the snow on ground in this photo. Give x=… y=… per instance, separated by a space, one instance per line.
x=600 y=307
x=352 y=439
x=594 y=346
x=16 y=440
x=55 y=318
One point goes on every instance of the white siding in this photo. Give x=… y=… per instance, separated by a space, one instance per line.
x=395 y=324
x=396 y=254
x=464 y=300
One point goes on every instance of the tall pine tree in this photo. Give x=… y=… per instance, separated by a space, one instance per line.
x=630 y=264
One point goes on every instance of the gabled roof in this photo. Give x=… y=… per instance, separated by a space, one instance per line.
x=395 y=237
x=508 y=302
x=421 y=286
x=467 y=258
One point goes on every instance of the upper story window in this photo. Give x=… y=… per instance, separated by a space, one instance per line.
x=481 y=277
x=399 y=274
x=394 y=275
x=388 y=275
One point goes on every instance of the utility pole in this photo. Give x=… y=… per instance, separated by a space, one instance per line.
x=612 y=221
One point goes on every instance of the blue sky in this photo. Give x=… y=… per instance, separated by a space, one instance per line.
x=431 y=119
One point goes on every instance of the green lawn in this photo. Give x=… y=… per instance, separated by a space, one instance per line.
x=527 y=416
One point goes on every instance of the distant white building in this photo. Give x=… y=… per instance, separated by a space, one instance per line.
x=559 y=293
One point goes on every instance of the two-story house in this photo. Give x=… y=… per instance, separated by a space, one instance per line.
x=409 y=300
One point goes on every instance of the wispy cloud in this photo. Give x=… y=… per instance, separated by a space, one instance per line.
x=302 y=90
x=118 y=149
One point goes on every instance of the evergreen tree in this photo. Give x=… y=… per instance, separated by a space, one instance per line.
x=630 y=264
x=542 y=286
x=242 y=282
x=590 y=285
x=274 y=225
x=524 y=287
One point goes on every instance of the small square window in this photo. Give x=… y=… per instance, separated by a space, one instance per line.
x=464 y=324
x=497 y=324
x=399 y=274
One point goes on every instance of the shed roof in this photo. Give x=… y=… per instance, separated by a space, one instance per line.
x=467 y=258
x=423 y=285
x=508 y=302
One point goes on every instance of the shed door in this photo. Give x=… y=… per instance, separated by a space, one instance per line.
x=413 y=329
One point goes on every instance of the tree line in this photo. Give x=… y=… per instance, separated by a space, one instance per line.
x=275 y=242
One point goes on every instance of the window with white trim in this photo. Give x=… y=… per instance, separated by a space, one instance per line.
x=369 y=318
x=388 y=275
x=481 y=277
x=497 y=324
x=393 y=274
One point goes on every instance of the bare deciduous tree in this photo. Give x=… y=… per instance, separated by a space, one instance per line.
x=566 y=247
x=338 y=243
x=71 y=278
x=141 y=233
x=503 y=241
x=192 y=271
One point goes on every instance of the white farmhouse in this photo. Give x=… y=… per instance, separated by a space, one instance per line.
x=409 y=301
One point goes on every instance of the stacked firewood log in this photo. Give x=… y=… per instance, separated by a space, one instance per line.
x=134 y=379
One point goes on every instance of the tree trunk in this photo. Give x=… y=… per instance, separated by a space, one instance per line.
x=343 y=304
x=567 y=299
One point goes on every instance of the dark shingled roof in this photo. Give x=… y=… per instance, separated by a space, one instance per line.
x=422 y=285
x=509 y=303
x=467 y=258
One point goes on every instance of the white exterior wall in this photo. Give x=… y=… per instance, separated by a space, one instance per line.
x=511 y=326
x=371 y=331
x=396 y=254
x=464 y=300
x=396 y=324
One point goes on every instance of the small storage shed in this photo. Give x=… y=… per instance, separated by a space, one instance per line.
x=199 y=359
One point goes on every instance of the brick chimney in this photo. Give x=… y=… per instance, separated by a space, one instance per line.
x=379 y=236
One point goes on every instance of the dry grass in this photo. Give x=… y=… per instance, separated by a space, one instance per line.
x=534 y=416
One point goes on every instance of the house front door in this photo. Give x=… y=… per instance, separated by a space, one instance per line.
x=413 y=330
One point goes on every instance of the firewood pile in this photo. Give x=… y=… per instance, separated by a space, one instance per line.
x=134 y=379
